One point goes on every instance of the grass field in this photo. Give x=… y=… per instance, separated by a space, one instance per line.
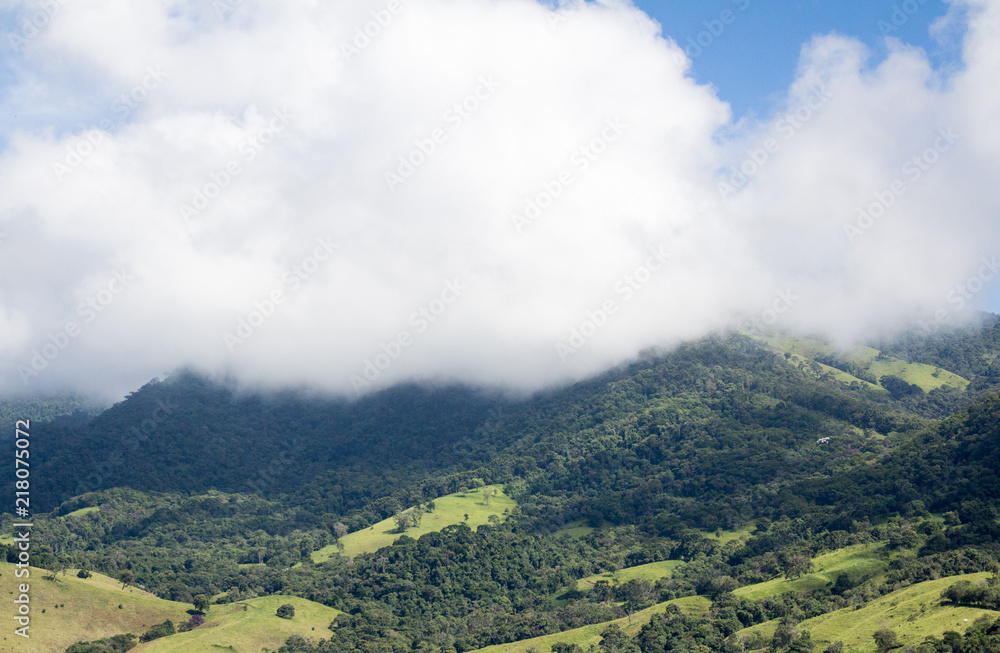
x=587 y=635
x=914 y=613
x=448 y=510
x=651 y=572
x=90 y=610
x=81 y=512
x=859 y=561
x=725 y=537
x=576 y=530
x=916 y=373
x=927 y=377
x=248 y=626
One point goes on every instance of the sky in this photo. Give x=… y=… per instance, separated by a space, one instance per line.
x=344 y=196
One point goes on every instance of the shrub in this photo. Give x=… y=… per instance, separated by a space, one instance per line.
x=286 y=611
x=158 y=631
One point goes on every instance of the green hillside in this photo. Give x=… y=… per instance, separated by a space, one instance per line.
x=247 y=626
x=652 y=571
x=448 y=510
x=712 y=472
x=82 y=608
x=858 y=562
x=587 y=635
x=914 y=613
x=808 y=350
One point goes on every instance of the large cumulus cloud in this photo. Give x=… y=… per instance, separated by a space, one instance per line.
x=344 y=197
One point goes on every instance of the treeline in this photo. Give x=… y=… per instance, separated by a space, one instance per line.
x=985 y=595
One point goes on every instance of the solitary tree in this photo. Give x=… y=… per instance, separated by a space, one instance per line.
x=340 y=530
x=402 y=521
x=636 y=593
x=201 y=603
x=126 y=577
x=286 y=611
x=796 y=565
x=885 y=639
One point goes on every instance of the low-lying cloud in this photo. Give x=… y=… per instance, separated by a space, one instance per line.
x=351 y=195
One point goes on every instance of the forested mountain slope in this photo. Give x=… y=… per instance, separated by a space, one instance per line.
x=229 y=495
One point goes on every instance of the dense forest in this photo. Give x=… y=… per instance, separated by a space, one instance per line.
x=201 y=490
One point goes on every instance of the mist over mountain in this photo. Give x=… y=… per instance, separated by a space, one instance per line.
x=493 y=193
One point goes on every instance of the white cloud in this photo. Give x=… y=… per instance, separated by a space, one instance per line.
x=300 y=119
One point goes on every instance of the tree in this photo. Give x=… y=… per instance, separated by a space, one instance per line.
x=286 y=611
x=614 y=640
x=56 y=565
x=796 y=565
x=784 y=635
x=563 y=647
x=127 y=577
x=340 y=529
x=402 y=521
x=636 y=593
x=83 y=573
x=201 y=603
x=885 y=639
x=158 y=631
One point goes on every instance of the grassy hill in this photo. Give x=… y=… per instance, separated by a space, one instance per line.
x=247 y=626
x=807 y=350
x=81 y=512
x=651 y=572
x=587 y=635
x=88 y=609
x=448 y=510
x=914 y=613
x=858 y=562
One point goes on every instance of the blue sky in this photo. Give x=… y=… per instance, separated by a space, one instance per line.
x=752 y=51
x=753 y=58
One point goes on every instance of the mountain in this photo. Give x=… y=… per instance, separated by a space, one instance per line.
x=741 y=459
